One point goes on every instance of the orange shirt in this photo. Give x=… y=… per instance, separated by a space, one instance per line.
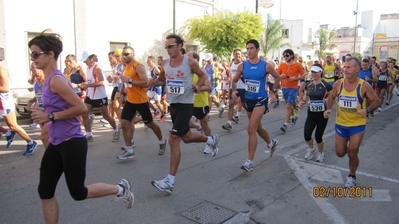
x=135 y=94
x=294 y=70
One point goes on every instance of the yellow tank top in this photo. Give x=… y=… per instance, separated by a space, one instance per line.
x=392 y=76
x=200 y=99
x=349 y=103
x=135 y=94
x=329 y=72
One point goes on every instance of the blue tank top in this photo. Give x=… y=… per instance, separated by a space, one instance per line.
x=60 y=130
x=38 y=93
x=363 y=74
x=255 y=80
x=209 y=70
x=157 y=89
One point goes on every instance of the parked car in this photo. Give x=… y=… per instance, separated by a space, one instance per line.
x=21 y=102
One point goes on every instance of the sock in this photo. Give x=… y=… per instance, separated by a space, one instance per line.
x=229 y=122
x=88 y=133
x=129 y=149
x=31 y=142
x=162 y=141
x=171 y=179
x=116 y=130
x=120 y=190
x=270 y=145
x=210 y=140
x=285 y=123
x=199 y=128
x=8 y=133
x=238 y=114
x=249 y=162
x=353 y=176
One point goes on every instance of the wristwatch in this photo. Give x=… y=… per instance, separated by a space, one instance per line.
x=51 y=117
x=275 y=90
x=129 y=80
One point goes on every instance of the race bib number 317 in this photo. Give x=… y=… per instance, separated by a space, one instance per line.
x=175 y=86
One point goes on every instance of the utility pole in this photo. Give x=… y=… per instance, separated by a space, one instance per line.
x=256 y=6
x=174 y=16
x=355 y=12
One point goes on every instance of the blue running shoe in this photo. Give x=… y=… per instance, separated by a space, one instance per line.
x=30 y=149
x=10 y=139
x=276 y=104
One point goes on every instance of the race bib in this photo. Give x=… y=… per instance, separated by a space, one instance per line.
x=39 y=100
x=175 y=86
x=348 y=103
x=252 y=86
x=127 y=85
x=329 y=75
x=89 y=81
x=317 y=106
x=382 y=78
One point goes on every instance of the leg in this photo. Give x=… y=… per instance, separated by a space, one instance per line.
x=353 y=150
x=254 y=120
x=174 y=143
x=86 y=121
x=44 y=135
x=106 y=116
x=11 y=121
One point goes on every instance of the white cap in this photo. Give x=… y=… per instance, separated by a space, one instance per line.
x=85 y=55
x=316 y=69
x=208 y=56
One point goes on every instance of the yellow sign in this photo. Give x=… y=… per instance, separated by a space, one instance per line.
x=380 y=35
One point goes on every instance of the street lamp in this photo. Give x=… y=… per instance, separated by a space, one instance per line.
x=355 y=13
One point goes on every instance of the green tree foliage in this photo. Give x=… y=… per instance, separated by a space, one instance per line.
x=273 y=37
x=324 y=43
x=222 y=32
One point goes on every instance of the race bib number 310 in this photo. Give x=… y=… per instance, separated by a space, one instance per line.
x=317 y=106
x=252 y=86
x=175 y=86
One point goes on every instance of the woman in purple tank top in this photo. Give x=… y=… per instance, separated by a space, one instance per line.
x=67 y=150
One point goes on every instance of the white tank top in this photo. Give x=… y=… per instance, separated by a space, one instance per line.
x=240 y=83
x=98 y=92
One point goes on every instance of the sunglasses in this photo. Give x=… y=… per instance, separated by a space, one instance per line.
x=35 y=54
x=286 y=56
x=126 y=54
x=314 y=72
x=170 y=46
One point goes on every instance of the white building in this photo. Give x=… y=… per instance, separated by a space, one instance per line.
x=98 y=26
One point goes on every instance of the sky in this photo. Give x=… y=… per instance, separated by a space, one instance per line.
x=337 y=13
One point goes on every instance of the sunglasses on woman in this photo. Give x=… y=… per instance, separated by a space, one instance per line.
x=34 y=55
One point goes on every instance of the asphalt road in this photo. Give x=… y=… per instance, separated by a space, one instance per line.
x=282 y=189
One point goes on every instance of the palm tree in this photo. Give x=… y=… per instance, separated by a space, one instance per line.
x=324 y=43
x=273 y=37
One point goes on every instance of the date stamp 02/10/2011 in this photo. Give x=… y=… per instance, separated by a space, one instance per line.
x=342 y=192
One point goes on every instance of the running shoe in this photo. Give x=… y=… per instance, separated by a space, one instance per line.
x=227 y=127
x=127 y=195
x=155 y=114
x=236 y=119
x=247 y=166
x=350 y=182
x=126 y=155
x=163 y=185
x=273 y=148
x=30 y=149
x=162 y=148
x=215 y=148
x=162 y=118
x=309 y=153
x=10 y=139
x=320 y=157
x=284 y=128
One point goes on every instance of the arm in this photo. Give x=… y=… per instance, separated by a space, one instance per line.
x=236 y=77
x=331 y=98
x=202 y=76
x=369 y=93
x=156 y=70
x=277 y=78
x=206 y=86
x=98 y=73
x=61 y=87
x=337 y=70
x=4 y=85
x=161 y=80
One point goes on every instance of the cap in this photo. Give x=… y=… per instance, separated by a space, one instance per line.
x=316 y=69
x=118 y=52
x=208 y=56
x=85 y=55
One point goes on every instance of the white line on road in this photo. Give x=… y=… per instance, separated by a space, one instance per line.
x=328 y=209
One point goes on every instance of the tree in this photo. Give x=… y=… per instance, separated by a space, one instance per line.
x=222 y=32
x=324 y=43
x=273 y=37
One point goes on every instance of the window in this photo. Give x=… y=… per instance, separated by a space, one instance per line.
x=30 y=36
x=117 y=45
x=285 y=33
x=310 y=35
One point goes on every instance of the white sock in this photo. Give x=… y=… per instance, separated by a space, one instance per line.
x=116 y=130
x=162 y=141
x=8 y=133
x=31 y=142
x=129 y=149
x=238 y=114
x=171 y=179
x=250 y=161
x=270 y=145
x=120 y=190
x=210 y=140
x=229 y=122
x=88 y=133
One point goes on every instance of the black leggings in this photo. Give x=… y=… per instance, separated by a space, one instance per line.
x=315 y=119
x=69 y=157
